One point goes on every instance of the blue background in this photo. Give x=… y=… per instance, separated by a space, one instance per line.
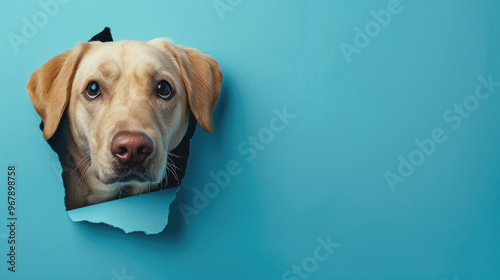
x=323 y=175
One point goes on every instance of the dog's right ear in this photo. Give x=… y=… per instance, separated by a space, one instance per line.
x=49 y=87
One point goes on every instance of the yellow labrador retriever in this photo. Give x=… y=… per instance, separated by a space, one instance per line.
x=128 y=105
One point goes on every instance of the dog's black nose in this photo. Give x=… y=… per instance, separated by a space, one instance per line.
x=131 y=148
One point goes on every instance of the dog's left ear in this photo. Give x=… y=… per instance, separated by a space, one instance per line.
x=49 y=87
x=202 y=80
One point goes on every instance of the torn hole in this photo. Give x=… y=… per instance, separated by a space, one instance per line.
x=146 y=212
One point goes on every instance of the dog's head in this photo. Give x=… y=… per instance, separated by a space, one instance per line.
x=127 y=103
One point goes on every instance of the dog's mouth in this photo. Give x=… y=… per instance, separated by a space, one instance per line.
x=127 y=179
x=126 y=176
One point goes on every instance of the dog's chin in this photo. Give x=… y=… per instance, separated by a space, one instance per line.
x=128 y=178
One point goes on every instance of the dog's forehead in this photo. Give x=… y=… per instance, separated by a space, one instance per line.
x=124 y=46
x=127 y=52
x=111 y=60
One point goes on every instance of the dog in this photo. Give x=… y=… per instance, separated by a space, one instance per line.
x=127 y=105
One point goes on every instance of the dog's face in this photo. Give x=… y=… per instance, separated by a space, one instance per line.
x=127 y=102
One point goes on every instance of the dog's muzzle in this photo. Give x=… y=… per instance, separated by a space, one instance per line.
x=131 y=151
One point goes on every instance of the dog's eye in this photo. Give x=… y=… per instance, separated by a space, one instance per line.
x=164 y=90
x=92 y=91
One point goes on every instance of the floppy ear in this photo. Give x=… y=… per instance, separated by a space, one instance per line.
x=202 y=79
x=49 y=87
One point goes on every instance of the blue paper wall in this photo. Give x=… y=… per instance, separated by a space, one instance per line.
x=361 y=140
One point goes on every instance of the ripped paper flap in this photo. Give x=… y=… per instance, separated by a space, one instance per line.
x=146 y=213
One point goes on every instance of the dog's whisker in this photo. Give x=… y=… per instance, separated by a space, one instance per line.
x=84 y=173
x=175 y=168
x=151 y=184
x=174 y=155
x=172 y=168
x=87 y=157
x=171 y=161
